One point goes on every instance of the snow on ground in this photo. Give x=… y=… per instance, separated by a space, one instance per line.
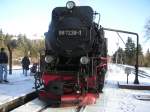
x=18 y=85
x=113 y=99
x=119 y=72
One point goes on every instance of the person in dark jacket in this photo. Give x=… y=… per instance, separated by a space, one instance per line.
x=25 y=64
x=3 y=65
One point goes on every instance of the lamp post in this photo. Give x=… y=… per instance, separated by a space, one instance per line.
x=136 y=81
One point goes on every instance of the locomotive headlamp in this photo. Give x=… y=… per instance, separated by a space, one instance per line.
x=49 y=59
x=84 y=60
x=70 y=4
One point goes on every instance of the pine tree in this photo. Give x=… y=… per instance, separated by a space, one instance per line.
x=1 y=38
x=141 y=56
x=147 y=30
x=119 y=56
x=147 y=59
x=130 y=52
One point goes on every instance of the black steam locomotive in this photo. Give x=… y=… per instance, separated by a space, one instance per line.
x=75 y=57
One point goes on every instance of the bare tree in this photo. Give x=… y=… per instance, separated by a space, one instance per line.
x=147 y=28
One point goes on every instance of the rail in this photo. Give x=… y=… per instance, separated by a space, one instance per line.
x=6 y=107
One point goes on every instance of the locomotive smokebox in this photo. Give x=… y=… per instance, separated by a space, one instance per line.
x=70 y=31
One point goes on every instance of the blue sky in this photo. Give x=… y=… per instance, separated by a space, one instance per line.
x=33 y=16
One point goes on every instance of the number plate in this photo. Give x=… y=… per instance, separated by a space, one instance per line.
x=72 y=33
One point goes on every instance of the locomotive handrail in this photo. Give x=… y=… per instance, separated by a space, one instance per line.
x=136 y=81
x=100 y=58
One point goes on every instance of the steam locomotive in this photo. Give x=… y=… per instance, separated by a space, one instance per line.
x=75 y=57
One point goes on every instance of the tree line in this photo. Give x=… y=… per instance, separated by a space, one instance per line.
x=128 y=55
x=22 y=46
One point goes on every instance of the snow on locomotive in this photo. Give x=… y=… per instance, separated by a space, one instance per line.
x=75 y=59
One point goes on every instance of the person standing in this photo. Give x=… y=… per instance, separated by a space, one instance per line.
x=3 y=65
x=25 y=64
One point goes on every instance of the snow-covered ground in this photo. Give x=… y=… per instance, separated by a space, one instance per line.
x=18 y=85
x=120 y=69
x=113 y=99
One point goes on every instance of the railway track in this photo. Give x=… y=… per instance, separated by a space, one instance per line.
x=37 y=105
x=80 y=109
x=30 y=103
x=141 y=73
x=65 y=109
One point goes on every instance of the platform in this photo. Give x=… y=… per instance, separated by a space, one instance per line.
x=141 y=86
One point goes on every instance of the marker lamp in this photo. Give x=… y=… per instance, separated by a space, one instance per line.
x=84 y=60
x=70 y=5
